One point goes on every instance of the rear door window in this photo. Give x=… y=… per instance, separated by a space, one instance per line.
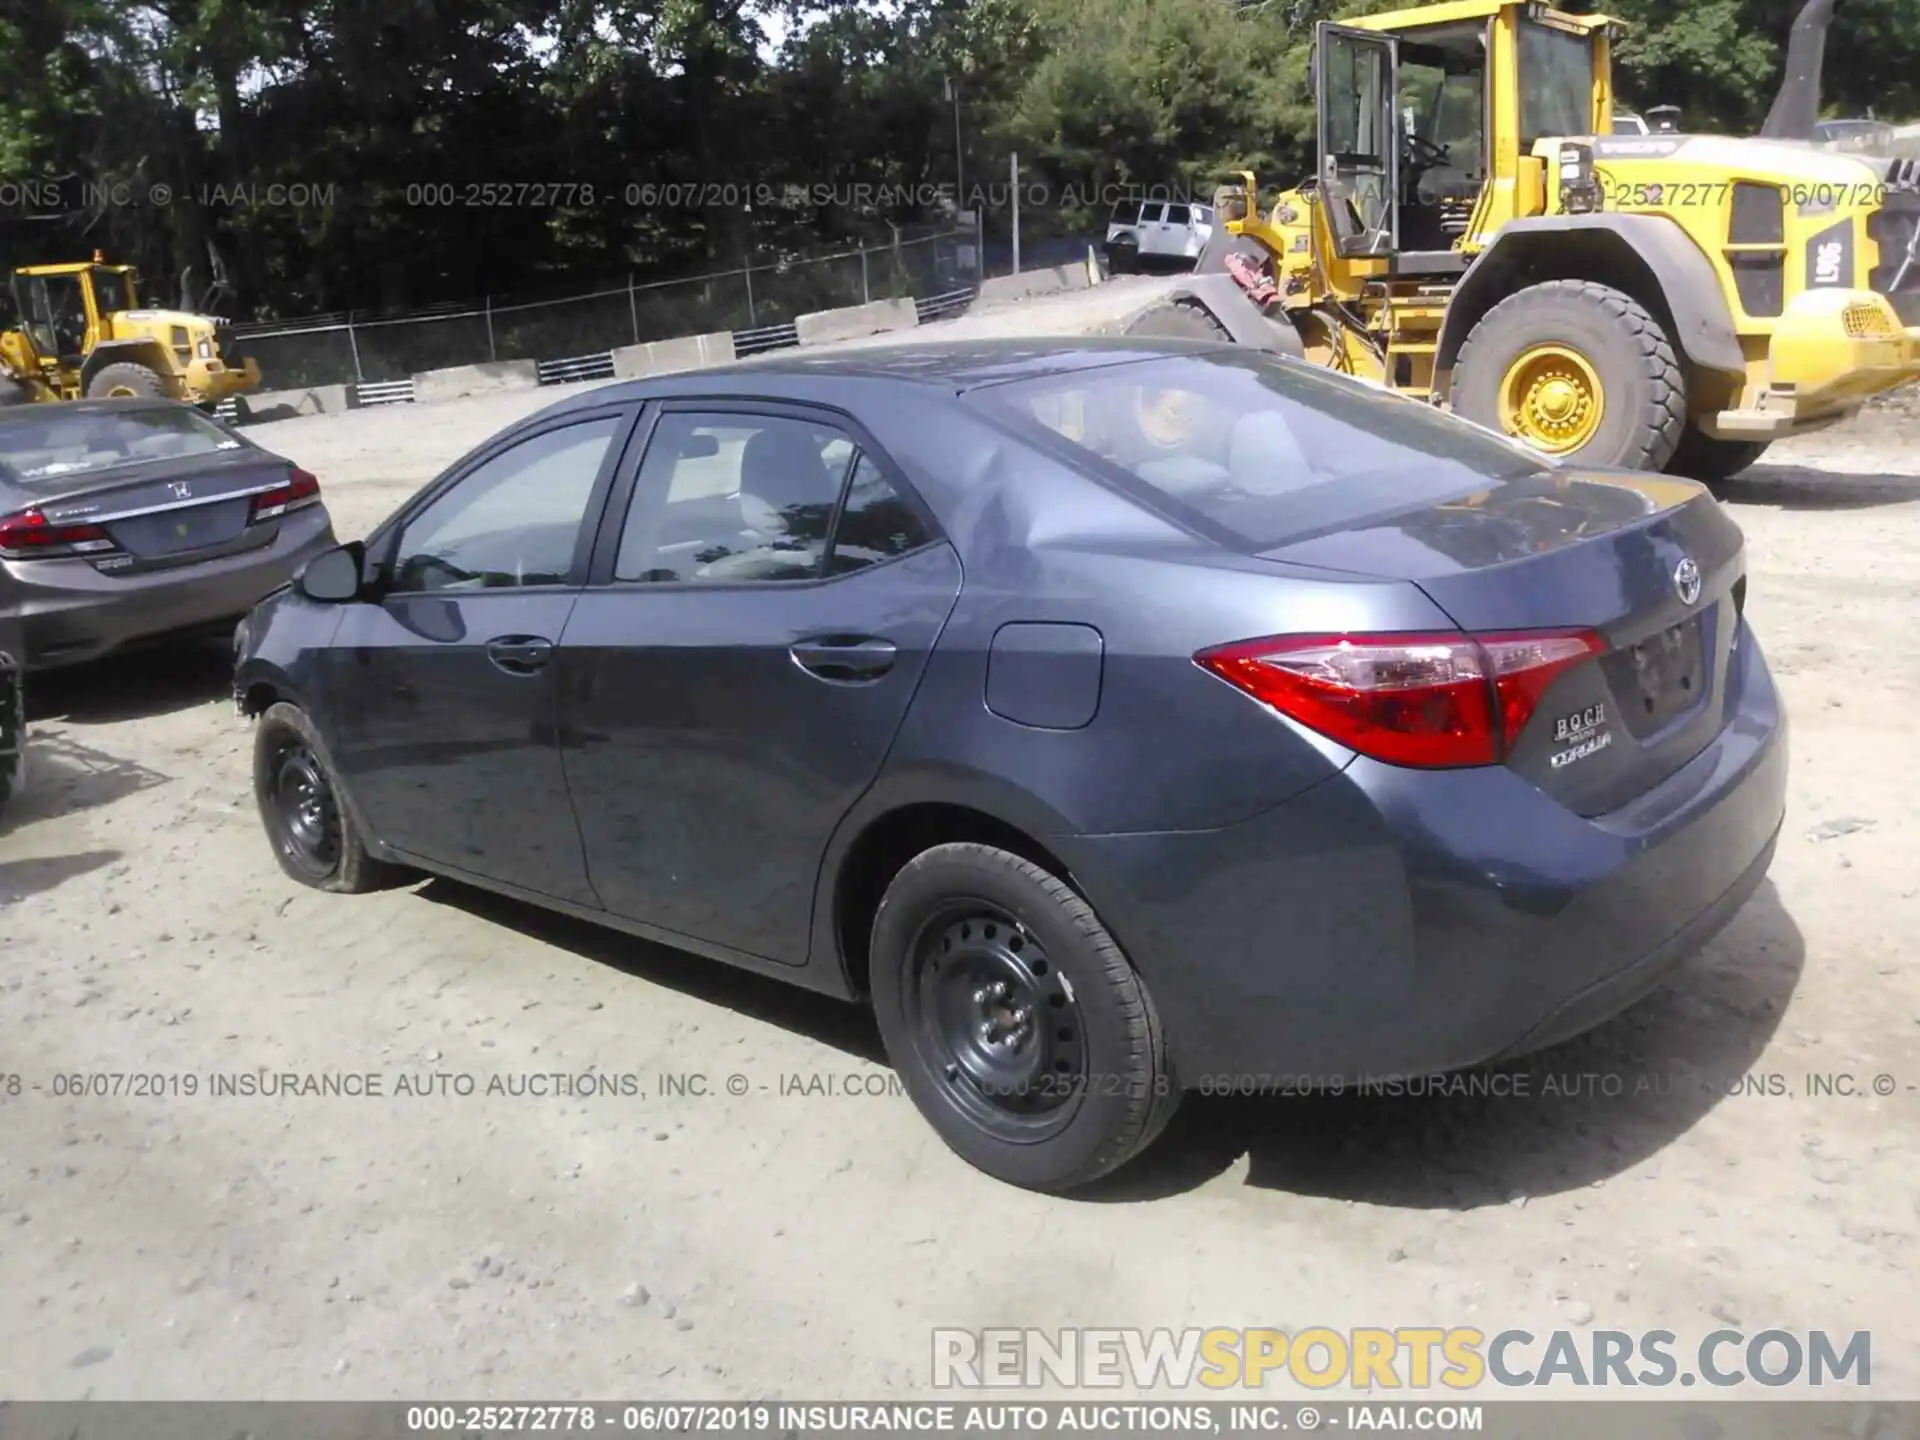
x=1256 y=451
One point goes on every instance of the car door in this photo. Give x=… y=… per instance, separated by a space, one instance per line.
x=765 y=601
x=442 y=692
x=1153 y=228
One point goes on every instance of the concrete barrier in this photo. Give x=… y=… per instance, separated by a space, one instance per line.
x=1047 y=281
x=432 y=386
x=823 y=327
x=264 y=405
x=665 y=357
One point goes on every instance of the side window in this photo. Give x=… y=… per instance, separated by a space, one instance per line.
x=876 y=524
x=513 y=521
x=1150 y=214
x=728 y=498
x=1176 y=215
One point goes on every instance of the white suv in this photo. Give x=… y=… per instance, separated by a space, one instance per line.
x=1156 y=234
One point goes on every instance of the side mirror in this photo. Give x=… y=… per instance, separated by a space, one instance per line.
x=333 y=577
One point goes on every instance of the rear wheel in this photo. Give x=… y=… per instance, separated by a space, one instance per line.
x=314 y=835
x=1123 y=257
x=125 y=379
x=1020 y=1030
x=1703 y=458
x=1578 y=370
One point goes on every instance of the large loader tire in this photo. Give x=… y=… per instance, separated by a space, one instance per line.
x=1179 y=320
x=125 y=378
x=13 y=393
x=1578 y=370
x=1703 y=458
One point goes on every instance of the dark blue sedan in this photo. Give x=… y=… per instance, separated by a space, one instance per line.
x=1115 y=718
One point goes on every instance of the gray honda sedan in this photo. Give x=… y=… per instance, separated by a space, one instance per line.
x=1114 y=718
x=131 y=520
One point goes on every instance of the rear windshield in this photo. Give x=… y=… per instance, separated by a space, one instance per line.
x=1256 y=450
x=52 y=442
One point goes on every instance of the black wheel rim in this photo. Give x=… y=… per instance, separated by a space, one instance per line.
x=995 y=1023
x=304 y=813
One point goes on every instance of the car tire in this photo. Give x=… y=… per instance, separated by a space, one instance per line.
x=13 y=728
x=1598 y=337
x=125 y=378
x=315 y=836
x=1019 y=1028
x=1703 y=458
x=1123 y=257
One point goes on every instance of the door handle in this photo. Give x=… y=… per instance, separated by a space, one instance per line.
x=847 y=661
x=520 y=654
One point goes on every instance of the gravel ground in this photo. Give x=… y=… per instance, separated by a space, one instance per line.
x=720 y=1245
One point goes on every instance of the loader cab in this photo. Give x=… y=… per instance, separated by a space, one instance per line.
x=65 y=309
x=1428 y=119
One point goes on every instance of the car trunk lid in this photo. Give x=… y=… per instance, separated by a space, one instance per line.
x=172 y=513
x=1652 y=564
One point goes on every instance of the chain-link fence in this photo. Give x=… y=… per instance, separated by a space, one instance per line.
x=359 y=348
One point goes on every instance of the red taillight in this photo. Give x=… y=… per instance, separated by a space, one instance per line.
x=30 y=535
x=300 y=489
x=1428 y=700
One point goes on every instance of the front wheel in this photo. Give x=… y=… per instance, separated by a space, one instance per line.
x=125 y=379
x=1577 y=370
x=1019 y=1028
x=314 y=835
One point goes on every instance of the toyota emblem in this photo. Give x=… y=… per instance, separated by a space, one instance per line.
x=1686 y=581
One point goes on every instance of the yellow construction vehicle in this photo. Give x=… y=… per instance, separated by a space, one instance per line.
x=81 y=333
x=1478 y=236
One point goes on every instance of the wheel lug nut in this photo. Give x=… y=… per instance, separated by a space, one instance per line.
x=982 y=995
x=986 y=1031
x=999 y=989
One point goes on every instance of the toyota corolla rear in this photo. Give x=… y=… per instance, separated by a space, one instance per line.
x=1553 y=773
x=126 y=520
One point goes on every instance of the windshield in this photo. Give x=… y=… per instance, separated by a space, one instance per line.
x=1256 y=450
x=62 y=443
x=1556 y=83
x=111 y=293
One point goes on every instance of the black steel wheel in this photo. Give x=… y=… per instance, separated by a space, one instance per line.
x=1021 y=1031
x=996 y=1020
x=312 y=828
x=304 y=815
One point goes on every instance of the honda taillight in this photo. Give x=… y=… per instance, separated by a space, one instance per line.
x=1427 y=700
x=300 y=489
x=29 y=535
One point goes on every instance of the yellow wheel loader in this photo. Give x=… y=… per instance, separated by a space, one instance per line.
x=1478 y=236
x=81 y=333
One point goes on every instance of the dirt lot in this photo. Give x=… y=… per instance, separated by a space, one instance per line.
x=804 y=1244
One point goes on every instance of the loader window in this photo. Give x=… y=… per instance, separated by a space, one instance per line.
x=111 y=293
x=1556 y=83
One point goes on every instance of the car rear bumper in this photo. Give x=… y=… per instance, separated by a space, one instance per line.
x=70 y=613
x=1392 y=922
